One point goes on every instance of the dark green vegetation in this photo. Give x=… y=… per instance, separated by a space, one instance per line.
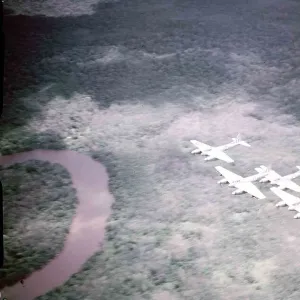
x=16 y=139
x=39 y=203
x=130 y=84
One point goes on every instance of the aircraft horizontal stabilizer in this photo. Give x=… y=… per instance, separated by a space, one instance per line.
x=239 y=141
x=244 y=144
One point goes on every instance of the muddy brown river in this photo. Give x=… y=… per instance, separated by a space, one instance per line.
x=88 y=225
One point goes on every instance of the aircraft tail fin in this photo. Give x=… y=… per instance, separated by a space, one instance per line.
x=258 y=170
x=238 y=140
x=263 y=168
x=269 y=168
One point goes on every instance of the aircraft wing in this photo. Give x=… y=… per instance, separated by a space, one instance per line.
x=296 y=207
x=251 y=189
x=287 y=198
x=200 y=146
x=230 y=176
x=288 y=184
x=221 y=155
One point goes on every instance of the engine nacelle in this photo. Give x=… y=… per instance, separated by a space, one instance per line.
x=232 y=184
x=297 y=216
x=264 y=180
x=237 y=192
x=209 y=158
x=196 y=151
x=280 y=204
x=275 y=181
x=291 y=208
x=222 y=181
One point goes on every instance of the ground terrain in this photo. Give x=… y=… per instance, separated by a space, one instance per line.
x=36 y=220
x=130 y=83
